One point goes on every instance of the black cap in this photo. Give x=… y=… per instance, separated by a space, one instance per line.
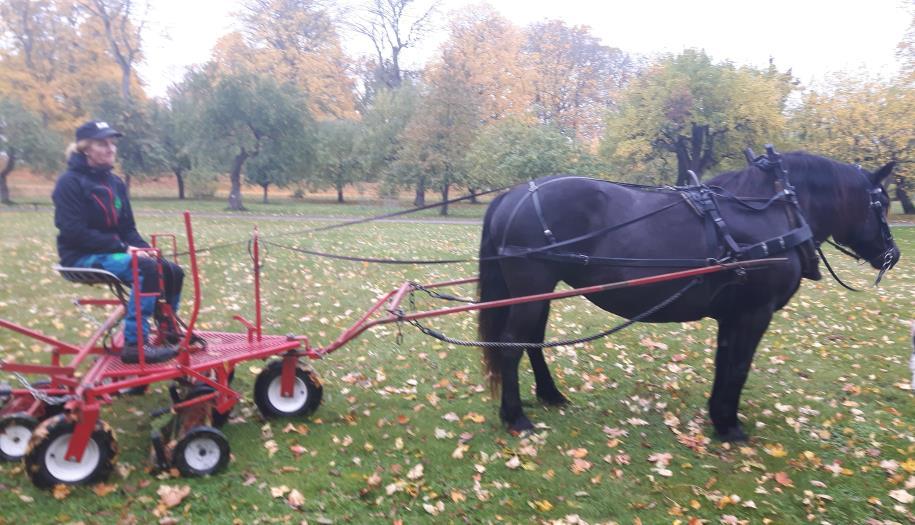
x=95 y=129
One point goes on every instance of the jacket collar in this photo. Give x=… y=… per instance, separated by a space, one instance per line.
x=78 y=162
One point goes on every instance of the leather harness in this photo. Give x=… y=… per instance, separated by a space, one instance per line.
x=702 y=199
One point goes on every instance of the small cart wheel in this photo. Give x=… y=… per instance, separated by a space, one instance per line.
x=306 y=392
x=45 y=460
x=15 y=433
x=201 y=452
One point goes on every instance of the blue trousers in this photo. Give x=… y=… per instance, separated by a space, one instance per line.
x=120 y=265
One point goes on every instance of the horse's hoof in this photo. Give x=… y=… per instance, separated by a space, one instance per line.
x=520 y=426
x=733 y=434
x=553 y=400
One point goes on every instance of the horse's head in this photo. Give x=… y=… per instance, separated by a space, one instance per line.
x=869 y=236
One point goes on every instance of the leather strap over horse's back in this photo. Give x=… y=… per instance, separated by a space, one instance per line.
x=771 y=162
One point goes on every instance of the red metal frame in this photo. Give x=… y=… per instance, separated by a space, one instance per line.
x=391 y=301
x=108 y=375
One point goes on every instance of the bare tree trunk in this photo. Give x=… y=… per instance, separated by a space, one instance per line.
x=179 y=176
x=693 y=153
x=339 y=186
x=4 y=188
x=903 y=196
x=127 y=180
x=235 y=178
x=473 y=196
x=420 y=199
x=444 y=209
x=265 y=191
x=125 y=80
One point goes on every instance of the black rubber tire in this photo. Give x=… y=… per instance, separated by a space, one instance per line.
x=20 y=419
x=189 y=445
x=308 y=384
x=48 y=432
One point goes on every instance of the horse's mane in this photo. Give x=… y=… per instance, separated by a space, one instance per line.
x=818 y=180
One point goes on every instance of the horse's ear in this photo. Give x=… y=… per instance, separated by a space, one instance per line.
x=880 y=175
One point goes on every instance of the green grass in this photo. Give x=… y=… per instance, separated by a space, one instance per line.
x=824 y=389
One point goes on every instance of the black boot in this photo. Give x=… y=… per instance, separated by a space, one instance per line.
x=152 y=353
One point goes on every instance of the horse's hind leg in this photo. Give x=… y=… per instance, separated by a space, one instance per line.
x=738 y=336
x=547 y=392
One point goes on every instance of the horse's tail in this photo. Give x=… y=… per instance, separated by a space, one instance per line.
x=491 y=287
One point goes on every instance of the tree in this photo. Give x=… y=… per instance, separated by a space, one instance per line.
x=122 y=22
x=337 y=159
x=393 y=26
x=174 y=126
x=865 y=122
x=24 y=141
x=243 y=115
x=905 y=50
x=280 y=163
x=140 y=150
x=692 y=113
x=381 y=140
x=297 y=41
x=51 y=57
x=512 y=151
x=484 y=51
x=576 y=79
x=440 y=133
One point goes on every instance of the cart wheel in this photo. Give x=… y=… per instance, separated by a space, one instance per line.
x=219 y=420
x=305 y=398
x=15 y=433
x=201 y=452
x=45 y=462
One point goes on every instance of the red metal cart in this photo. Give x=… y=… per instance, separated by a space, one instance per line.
x=53 y=425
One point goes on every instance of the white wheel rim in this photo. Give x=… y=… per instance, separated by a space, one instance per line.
x=71 y=471
x=202 y=454
x=14 y=440
x=289 y=404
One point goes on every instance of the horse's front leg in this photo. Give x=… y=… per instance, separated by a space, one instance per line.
x=738 y=336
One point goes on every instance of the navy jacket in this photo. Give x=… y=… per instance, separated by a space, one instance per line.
x=92 y=212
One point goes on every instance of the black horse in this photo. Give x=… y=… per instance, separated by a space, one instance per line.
x=584 y=232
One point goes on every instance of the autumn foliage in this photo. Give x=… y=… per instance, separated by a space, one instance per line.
x=379 y=117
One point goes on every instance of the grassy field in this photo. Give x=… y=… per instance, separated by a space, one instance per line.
x=408 y=433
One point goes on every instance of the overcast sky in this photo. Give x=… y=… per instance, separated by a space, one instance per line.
x=813 y=37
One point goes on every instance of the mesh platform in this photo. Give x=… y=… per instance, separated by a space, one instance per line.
x=221 y=347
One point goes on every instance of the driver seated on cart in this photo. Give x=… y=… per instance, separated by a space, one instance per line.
x=96 y=229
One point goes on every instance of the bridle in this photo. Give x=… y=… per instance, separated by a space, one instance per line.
x=887 y=256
